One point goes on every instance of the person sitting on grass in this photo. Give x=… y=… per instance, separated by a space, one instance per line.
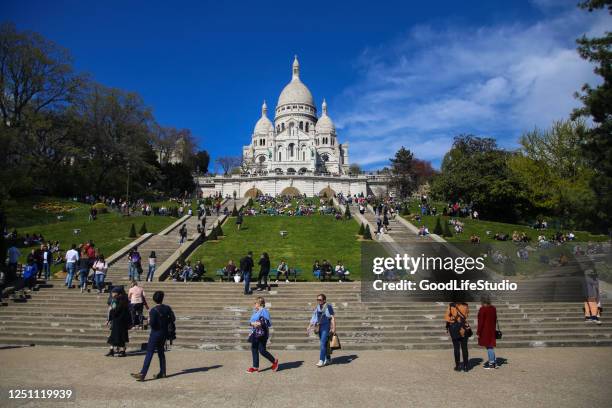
x=283 y=268
x=341 y=271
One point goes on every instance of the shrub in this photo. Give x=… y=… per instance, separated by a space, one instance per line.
x=235 y=211
x=101 y=207
x=330 y=202
x=250 y=203
x=367 y=234
x=212 y=236
x=219 y=231
x=438 y=228
x=347 y=212
x=143 y=229
x=447 y=232
x=361 y=229
x=132 y=231
x=406 y=209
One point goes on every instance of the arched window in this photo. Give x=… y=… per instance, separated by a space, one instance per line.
x=307 y=126
x=283 y=126
x=301 y=125
x=291 y=145
x=303 y=155
x=280 y=156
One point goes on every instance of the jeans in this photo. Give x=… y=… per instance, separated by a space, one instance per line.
x=132 y=272
x=47 y=270
x=491 y=354
x=156 y=342
x=83 y=277
x=151 y=272
x=247 y=282
x=99 y=279
x=462 y=343
x=70 y=268
x=324 y=338
x=259 y=346
x=279 y=273
x=137 y=316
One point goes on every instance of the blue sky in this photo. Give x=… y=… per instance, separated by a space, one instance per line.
x=393 y=72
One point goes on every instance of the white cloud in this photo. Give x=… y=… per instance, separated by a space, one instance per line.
x=435 y=83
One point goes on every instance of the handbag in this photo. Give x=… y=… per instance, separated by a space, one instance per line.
x=498 y=333
x=334 y=344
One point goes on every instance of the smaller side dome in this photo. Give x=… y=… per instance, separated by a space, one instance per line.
x=263 y=125
x=325 y=124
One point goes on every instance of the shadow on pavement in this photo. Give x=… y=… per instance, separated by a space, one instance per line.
x=289 y=365
x=474 y=362
x=194 y=370
x=344 y=359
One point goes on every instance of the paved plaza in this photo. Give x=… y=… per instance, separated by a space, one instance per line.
x=547 y=377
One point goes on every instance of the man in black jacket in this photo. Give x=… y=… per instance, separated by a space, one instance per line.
x=160 y=318
x=246 y=267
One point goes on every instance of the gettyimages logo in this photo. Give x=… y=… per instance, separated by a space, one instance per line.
x=412 y=265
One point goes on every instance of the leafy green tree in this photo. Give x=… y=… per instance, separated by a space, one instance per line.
x=176 y=179
x=555 y=174
x=597 y=105
x=476 y=171
x=402 y=172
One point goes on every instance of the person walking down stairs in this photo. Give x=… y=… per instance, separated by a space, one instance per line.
x=260 y=324
x=323 y=323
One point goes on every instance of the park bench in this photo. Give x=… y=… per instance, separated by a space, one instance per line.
x=295 y=272
x=220 y=273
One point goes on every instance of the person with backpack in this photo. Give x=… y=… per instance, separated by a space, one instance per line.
x=29 y=274
x=459 y=330
x=260 y=324
x=487 y=322
x=161 y=320
x=323 y=322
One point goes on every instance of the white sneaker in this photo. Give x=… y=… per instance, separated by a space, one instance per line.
x=287 y=280
x=320 y=363
x=276 y=281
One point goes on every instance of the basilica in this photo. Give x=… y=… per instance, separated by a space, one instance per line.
x=298 y=142
x=297 y=154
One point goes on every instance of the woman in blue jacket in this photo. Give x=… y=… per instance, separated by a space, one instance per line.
x=259 y=333
x=324 y=324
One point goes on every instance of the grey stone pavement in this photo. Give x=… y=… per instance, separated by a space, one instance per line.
x=544 y=377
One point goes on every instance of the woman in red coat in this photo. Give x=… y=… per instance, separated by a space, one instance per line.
x=487 y=319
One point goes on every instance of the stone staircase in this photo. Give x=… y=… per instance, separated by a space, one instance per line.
x=164 y=244
x=214 y=316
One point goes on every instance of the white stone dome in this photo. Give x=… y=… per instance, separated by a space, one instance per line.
x=295 y=92
x=325 y=124
x=263 y=125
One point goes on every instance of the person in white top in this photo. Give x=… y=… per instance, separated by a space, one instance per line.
x=341 y=271
x=100 y=267
x=152 y=266
x=72 y=256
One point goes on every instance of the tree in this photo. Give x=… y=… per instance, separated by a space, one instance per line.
x=347 y=212
x=132 y=231
x=423 y=171
x=555 y=175
x=228 y=163
x=438 y=228
x=202 y=159
x=234 y=211
x=361 y=229
x=402 y=173
x=176 y=179
x=367 y=233
x=446 y=233
x=354 y=169
x=475 y=171
x=597 y=104
x=219 y=230
x=143 y=229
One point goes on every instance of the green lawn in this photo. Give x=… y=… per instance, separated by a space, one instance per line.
x=109 y=232
x=480 y=228
x=309 y=238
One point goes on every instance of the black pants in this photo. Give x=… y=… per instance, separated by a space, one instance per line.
x=463 y=343
x=157 y=343
x=259 y=346
x=137 y=316
x=263 y=277
x=279 y=273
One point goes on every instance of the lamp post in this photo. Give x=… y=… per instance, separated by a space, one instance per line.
x=127 y=192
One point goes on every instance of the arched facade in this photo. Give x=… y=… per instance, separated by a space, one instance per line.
x=327 y=192
x=291 y=192
x=253 y=193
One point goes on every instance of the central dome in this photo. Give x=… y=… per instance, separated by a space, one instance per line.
x=295 y=92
